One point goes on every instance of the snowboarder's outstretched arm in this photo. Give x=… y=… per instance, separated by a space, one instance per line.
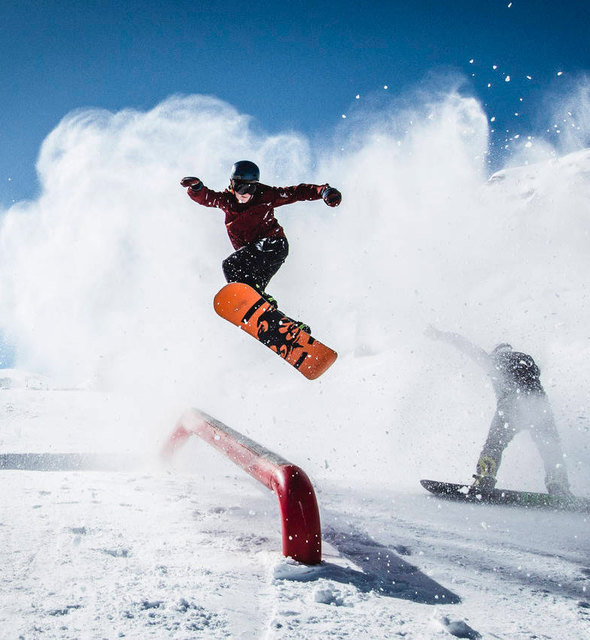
x=201 y=194
x=462 y=344
x=192 y=182
x=287 y=195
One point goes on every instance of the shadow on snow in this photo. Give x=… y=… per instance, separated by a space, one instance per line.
x=382 y=571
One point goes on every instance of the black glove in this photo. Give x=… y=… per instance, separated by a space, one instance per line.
x=332 y=197
x=194 y=183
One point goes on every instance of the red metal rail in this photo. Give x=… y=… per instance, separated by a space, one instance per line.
x=302 y=537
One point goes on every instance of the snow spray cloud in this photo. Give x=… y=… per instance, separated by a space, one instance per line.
x=109 y=275
x=435 y=242
x=567 y=115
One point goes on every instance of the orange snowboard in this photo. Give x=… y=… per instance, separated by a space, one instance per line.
x=243 y=306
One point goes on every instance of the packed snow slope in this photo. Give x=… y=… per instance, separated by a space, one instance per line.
x=193 y=550
x=107 y=283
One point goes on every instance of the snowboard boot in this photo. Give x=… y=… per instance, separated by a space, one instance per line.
x=482 y=486
x=300 y=325
x=557 y=483
x=270 y=299
x=485 y=477
x=273 y=302
x=559 y=490
x=303 y=326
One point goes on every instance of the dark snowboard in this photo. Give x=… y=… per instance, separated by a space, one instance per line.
x=528 y=499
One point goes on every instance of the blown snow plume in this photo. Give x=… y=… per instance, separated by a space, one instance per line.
x=109 y=274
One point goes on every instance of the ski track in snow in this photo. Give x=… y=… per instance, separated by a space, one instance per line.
x=195 y=553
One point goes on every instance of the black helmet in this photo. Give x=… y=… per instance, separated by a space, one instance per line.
x=245 y=171
x=501 y=348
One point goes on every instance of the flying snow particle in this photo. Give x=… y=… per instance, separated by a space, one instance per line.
x=493 y=119
x=489 y=84
x=509 y=4
x=357 y=96
x=529 y=77
x=507 y=79
x=560 y=73
x=494 y=66
x=344 y=115
x=385 y=86
x=471 y=61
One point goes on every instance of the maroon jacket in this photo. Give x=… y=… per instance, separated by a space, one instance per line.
x=255 y=219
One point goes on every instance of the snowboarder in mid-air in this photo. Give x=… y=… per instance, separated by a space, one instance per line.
x=259 y=241
x=521 y=404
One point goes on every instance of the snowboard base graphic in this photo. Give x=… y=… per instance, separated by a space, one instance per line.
x=460 y=493
x=241 y=305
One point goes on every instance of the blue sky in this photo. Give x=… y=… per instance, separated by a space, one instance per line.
x=296 y=65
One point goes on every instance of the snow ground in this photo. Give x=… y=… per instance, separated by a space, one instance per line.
x=193 y=551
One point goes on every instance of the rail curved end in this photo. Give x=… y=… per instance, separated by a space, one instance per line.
x=302 y=535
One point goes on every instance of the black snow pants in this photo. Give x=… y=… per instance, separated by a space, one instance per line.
x=257 y=262
x=513 y=414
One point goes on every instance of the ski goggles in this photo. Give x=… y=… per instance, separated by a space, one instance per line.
x=243 y=188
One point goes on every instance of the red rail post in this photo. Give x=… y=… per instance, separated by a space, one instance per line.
x=300 y=518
